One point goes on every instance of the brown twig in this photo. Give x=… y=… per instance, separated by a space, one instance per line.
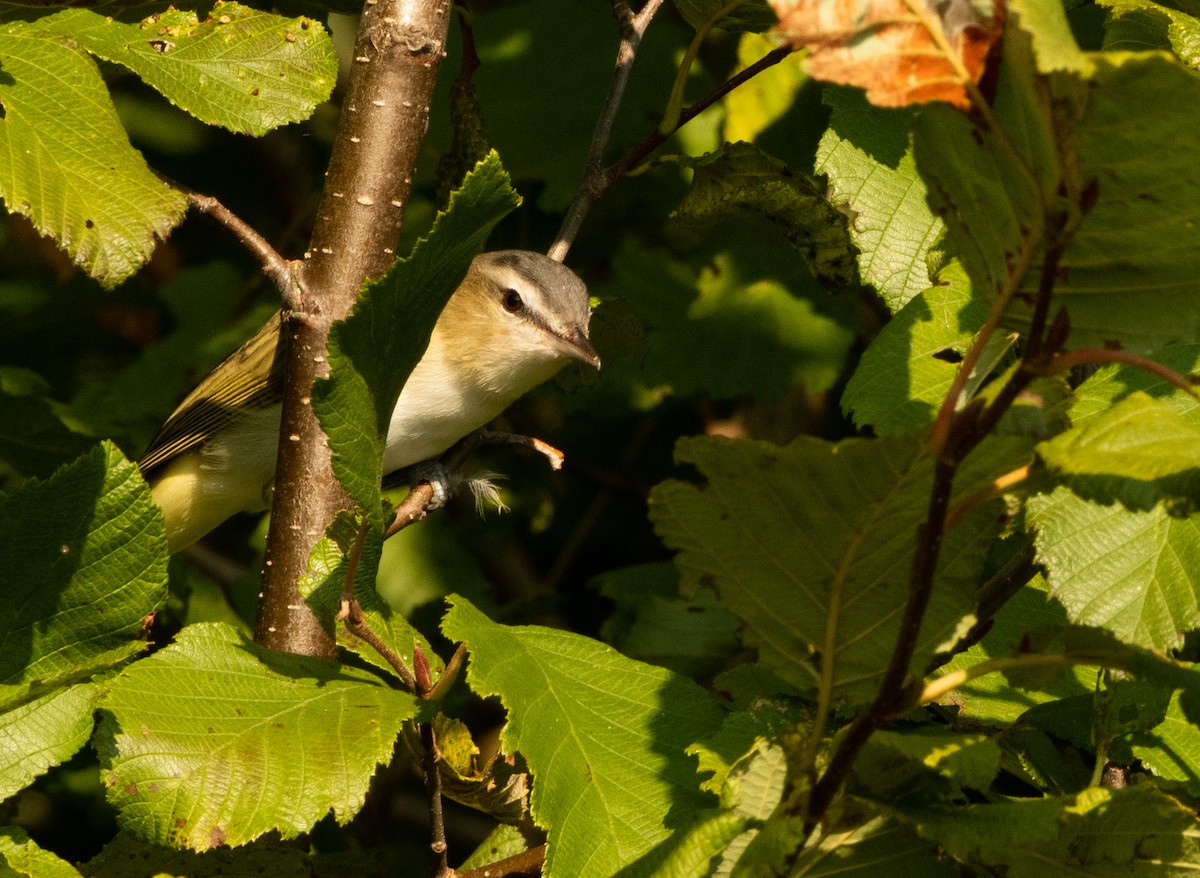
x=597 y=178
x=525 y=863
x=356 y=624
x=1089 y=356
x=656 y=138
x=966 y=430
x=417 y=503
x=274 y=266
x=633 y=27
x=433 y=786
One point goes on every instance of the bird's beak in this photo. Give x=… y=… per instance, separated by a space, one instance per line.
x=573 y=343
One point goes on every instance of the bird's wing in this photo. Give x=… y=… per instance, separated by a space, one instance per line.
x=249 y=378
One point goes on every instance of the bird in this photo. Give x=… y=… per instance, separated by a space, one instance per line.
x=517 y=318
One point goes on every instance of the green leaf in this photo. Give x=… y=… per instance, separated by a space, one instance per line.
x=763 y=100
x=43 y=733
x=1171 y=749
x=373 y=351
x=1139 y=452
x=35 y=438
x=992 y=204
x=1054 y=45
x=127 y=857
x=752 y=15
x=811 y=544
x=85 y=563
x=864 y=851
x=603 y=735
x=322 y=587
x=927 y=764
x=873 y=179
x=1134 y=573
x=1128 y=274
x=741 y=177
x=693 y=636
x=1100 y=832
x=739 y=736
x=907 y=371
x=70 y=167
x=688 y=852
x=1144 y=24
x=736 y=327
x=20 y=856
x=993 y=700
x=215 y=740
x=246 y=70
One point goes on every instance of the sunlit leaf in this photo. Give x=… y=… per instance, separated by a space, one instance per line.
x=215 y=740
x=69 y=166
x=246 y=70
x=603 y=735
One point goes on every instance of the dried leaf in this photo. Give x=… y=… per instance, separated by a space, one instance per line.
x=901 y=51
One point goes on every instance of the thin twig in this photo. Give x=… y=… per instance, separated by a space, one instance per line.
x=356 y=624
x=525 y=863
x=553 y=456
x=1088 y=356
x=965 y=431
x=656 y=138
x=633 y=27
x=274 y=266
x=433 y=785
x=986 y=493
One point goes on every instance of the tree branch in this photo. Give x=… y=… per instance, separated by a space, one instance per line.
x=274 y=266
x=633 y=27
x=384 y=116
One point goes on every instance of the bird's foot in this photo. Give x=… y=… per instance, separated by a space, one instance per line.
x=445 y=483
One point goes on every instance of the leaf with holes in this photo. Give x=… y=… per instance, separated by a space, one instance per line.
x=69 y=167
x=215 y=740
x=246 y=70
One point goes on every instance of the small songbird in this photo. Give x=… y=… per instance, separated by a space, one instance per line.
x=516 y=319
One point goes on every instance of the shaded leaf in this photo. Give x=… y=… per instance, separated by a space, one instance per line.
x=899 y=52
x=215 y=740
x=1138 y=452
x=1145 y=24
x=993 y=700
x=603 y=735
x=763 y=100
x=127 y=857
x=84 y=564
x=811 y=544
x=742 y=177
x=246 y=70
x=1127 y=276
x=70 y=167
x=35 y=438
x=1101 y=832
x=751 y=15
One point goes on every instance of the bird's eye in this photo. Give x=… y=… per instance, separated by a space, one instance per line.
x=513 y=302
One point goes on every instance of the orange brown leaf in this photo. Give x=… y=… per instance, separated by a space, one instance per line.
x=901 y=51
